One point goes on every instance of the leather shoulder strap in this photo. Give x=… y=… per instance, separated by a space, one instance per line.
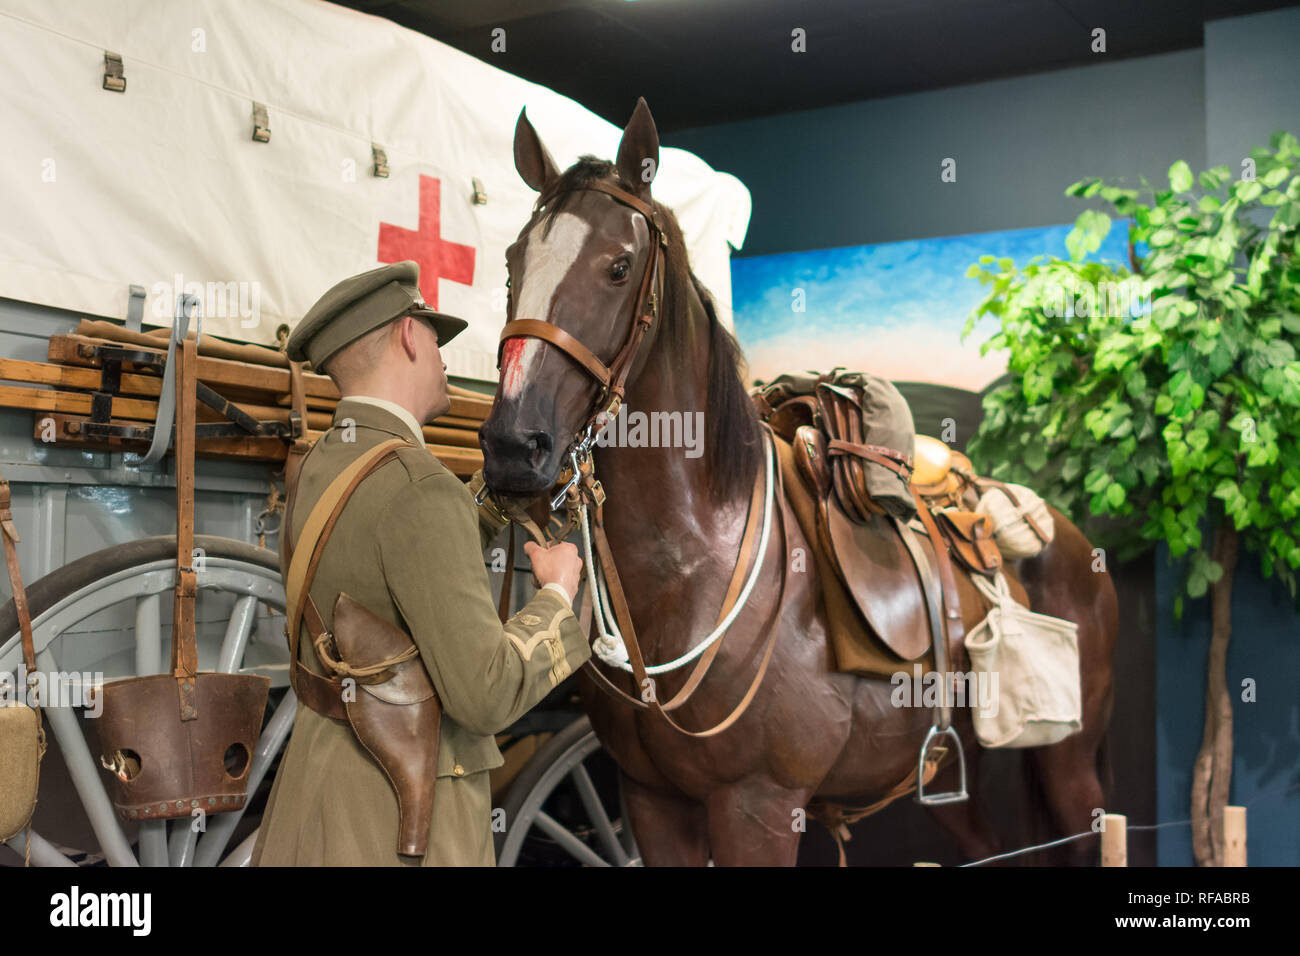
x=312 y=689
x=10 y=534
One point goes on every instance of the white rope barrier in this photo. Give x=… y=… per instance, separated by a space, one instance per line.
x=1144 y=827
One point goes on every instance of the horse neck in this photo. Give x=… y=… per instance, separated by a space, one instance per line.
x=664 y=526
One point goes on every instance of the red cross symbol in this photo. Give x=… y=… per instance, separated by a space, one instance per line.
x=437 y=258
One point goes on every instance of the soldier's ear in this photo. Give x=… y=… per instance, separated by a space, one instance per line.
x=532 y=160
x=638 y=151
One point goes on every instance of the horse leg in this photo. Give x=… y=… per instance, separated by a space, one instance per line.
x=756 y=825
x=1067 y=772
x=966 y=822
x=669 y=831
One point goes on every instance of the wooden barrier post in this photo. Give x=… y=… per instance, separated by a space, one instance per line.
x=1234 y=836
x=1114 y=840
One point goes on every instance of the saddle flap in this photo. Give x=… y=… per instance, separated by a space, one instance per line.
x=793 y=415
x=970 y=534
x=810 y=458
x=878 y=571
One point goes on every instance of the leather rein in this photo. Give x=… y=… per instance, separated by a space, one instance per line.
x=583 y=497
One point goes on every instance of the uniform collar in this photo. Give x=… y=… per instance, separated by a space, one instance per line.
x=409 y=425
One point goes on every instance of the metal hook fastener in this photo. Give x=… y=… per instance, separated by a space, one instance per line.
x=574 y=478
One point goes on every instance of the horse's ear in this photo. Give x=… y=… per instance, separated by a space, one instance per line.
x=638 y=152
x=531 y=158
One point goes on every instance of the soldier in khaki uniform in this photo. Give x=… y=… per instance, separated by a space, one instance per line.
x=408 y=546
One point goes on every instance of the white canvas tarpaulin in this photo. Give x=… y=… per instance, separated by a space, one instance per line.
x=163 y=185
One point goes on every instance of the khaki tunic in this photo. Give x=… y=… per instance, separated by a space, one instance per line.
x=409 y=546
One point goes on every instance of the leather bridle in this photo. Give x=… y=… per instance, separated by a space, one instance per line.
x=582 y=489
x=611 y=378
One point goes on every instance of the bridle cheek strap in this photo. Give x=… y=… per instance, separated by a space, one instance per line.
x=611 y=378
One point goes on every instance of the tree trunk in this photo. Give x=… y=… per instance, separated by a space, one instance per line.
x=1212 y=773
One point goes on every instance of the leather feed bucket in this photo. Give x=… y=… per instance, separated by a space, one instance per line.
x=177 y=743
x=163 y=765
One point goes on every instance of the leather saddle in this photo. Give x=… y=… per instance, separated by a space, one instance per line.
x=900 y=578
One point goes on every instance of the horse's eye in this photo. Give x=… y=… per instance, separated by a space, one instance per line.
x=618 y=272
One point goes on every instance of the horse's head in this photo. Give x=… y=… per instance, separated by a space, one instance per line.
x=583 y=270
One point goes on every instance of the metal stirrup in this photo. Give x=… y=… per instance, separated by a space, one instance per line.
x=952 y=796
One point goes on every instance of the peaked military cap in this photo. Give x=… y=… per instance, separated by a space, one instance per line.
x=361 y=304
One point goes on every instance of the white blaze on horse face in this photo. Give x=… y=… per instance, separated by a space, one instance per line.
x=547 y=260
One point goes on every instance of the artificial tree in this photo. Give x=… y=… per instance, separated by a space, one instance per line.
x=1172 y=414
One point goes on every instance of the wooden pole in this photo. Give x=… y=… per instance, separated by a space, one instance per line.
x=1234 y=836
x=1114 y=840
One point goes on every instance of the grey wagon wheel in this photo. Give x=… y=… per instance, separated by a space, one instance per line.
x=109 y=613
x=560 y=806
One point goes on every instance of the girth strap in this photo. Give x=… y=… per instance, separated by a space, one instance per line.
x=954 y=626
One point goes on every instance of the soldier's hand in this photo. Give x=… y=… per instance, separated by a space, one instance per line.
x=559 y=564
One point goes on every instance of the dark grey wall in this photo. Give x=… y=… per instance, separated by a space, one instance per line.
x=869 y=172
x=1252 y=82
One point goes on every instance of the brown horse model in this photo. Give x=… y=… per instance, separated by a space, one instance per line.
x=587 y=263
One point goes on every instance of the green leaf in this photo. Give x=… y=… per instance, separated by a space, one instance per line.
x=1212 y=179
x=1115 y=495
x=1247 y=191
x=1180 y=177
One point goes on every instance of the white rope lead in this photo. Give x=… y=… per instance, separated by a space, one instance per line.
x=609 y=645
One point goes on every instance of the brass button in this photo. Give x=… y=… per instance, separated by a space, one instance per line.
x=458 y=770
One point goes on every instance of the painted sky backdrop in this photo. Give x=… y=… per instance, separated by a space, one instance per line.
x=895 y=309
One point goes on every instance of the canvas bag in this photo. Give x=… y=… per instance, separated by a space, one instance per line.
x=1036 y=660
x=22 y=739
x=1013 y=534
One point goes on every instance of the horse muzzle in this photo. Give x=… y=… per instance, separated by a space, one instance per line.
x=518 y=460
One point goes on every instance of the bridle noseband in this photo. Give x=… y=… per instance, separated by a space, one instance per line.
x=612 y=378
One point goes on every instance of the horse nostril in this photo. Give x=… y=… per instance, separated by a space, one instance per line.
x=539 y=443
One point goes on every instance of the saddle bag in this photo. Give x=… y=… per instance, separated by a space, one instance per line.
x=379 y=685
x=869 y=438
x=22 y=739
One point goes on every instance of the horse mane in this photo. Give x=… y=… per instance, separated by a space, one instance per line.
x=733 y=435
